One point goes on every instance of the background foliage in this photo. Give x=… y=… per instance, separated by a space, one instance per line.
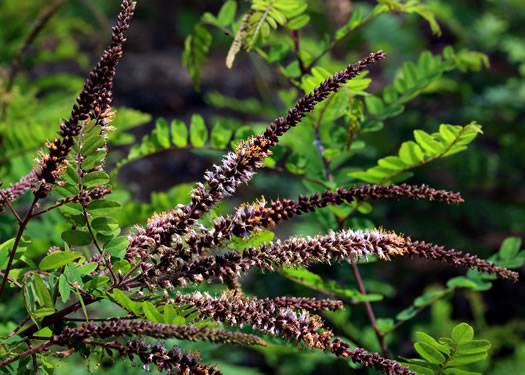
x=449 y=63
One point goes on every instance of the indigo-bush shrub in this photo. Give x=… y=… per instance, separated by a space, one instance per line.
x=145 y=272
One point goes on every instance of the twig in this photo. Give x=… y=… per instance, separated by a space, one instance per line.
x=337 y=41
x=370 y=311
x=26 y=319
x=321 y=290
x=36 y=349
x=297 y=44
x=111 y=345
x=299 y=175
x=418 y=310
x=50 y=208
x=101 y=252
x=12 y=280
x=53 y=318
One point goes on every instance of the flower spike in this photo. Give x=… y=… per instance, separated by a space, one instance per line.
x=93 y=102
x=345 y=245
x=237 y=168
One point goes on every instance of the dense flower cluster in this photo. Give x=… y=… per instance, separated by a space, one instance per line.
x=257 y=216
x=237 y=168
x=17 y=189
x=272 y=319
x=122 y=328
x=346 y=245
x=173 y=360
x=435 y=252
x=337 y=246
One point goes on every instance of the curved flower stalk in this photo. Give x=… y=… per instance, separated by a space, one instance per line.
x=304 y=328
x=259 y=216
x=466 y=260
x=168 y=360
x=93 y=102
x=162 y=331
x=345 y=245
x=201 y=300
x=238 y=167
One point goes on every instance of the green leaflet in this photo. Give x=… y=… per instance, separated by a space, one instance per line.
x=6 y=248
x=198 y=131
x=64 y=288
x=410 y=7
x=196 y=48
x=429 y=353
x=152 y=313
x=414 y=79
x=58 y=259
x=443 y=356
x=427 y=147
x=462 y=333
x=76 y=237
x=227 y=13
x=37 y=298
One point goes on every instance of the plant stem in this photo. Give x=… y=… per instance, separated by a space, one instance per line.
x=15 y=214
x=299 y=175
x=320 y=147
x=21 y=229
x=370 y=311
x=100 y=251
x=337 y=41
x=35 y=363
x=27 y=318
x=418 y=310
x=53 y=318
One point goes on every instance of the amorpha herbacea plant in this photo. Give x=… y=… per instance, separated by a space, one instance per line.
x=144 y=272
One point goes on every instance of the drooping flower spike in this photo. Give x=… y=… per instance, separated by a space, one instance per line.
x=337 y=246
x=260 y=215
x=237 y=310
